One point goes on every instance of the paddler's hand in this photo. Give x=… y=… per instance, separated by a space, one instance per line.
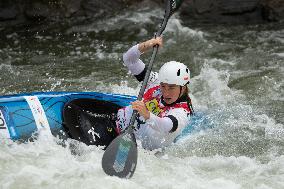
x=145 y=46
x=141 y=108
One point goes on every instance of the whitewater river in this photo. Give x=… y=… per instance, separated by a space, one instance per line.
x=237 y=83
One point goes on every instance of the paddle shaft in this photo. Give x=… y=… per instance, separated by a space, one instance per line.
x=148 y=73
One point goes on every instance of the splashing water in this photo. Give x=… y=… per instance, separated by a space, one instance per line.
x=237 y=84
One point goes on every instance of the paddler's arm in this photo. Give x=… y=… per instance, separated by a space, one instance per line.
x=131 y=57
x=147 y=45
x=176 y=120
x=166 y=124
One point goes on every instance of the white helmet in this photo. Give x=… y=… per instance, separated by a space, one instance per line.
x=174 y=73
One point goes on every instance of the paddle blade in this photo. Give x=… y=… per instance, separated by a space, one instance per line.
x=120 y=157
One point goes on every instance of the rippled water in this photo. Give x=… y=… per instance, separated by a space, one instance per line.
x=237 y=82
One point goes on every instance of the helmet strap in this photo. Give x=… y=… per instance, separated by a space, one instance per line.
x=180 y=89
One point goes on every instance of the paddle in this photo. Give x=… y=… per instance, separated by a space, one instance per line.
x=120 y=157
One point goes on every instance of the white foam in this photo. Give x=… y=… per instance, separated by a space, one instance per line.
x=274 y=36
x=210 y=87
x=45 y=164
x=12 y=36
x=6 y=67
x=279 y=54
x=119 y=21
x=175 y=27
x=218 y=61
x=103 y=55
x=122 y=88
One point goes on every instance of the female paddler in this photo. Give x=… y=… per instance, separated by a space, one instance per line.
x=166 y=107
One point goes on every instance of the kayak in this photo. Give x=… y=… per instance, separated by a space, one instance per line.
x=66 y=114
x=24 y=115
